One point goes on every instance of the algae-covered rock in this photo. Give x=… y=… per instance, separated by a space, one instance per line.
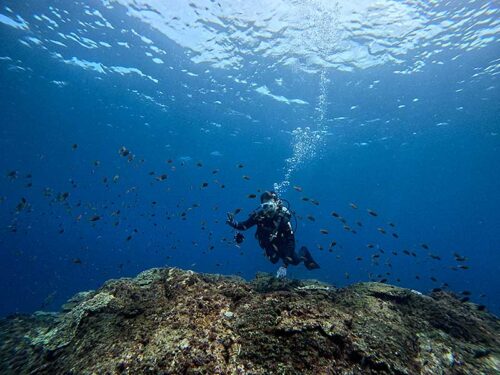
x=170 y=321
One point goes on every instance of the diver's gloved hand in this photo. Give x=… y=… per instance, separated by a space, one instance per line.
x=281 y=272
x=230 y=219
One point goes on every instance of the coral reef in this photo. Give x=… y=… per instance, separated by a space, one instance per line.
x=170 y=321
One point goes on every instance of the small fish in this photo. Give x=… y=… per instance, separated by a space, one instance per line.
x=97 y=163
x=241 y=165
x=464 y=299
x=74 y=146
x=77 y=261
x=311 y=217
x=116 y=178
x=406 y=252
x=297 y=188
x=359 y=258
x=463 y=267
x=360 y=224
x=237 y=211
x=436 y=257
x=123 y=151
x=332 y=244
x=162 y=177
x=204 y=185
x=323 y=231
x=425 y=246
x=395 y=235
x=199 y=164
x=334 y=214
x=128 y=238
x=95 y=218
x=383 y=281
x=12 y=175
x=392 y=225
x=433 y=279
x=370 y=246
x=215 y=171
x=353 y=206
x=371 y=212
x=381 y=230
x=251 y=196
x=315 y=202
x=245 y=177
x=466 y=293
x=305 y=199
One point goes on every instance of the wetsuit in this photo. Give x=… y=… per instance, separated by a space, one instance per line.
x=276 y=237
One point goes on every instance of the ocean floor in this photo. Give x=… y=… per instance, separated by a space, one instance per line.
x=171 y=321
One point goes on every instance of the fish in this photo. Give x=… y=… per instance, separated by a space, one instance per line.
x=332 y=244
x=371 y=212
x=199 y=164
x=74 y=146
x=123 y=151
x=237 y=211
x=204 y=185
x=406 y=252
x=252 y=196
x=370 y=246
x=245 y=177
x=297 y=188
x=360 y=224
x=433 y=279
x=240 y=165
x=95 y=218
x=311 y=217
x=162 y=177
x=353 y=206
x=12 y=175
x=334 y=214
x=305 y=199
x=436 y=257
x=23 y=203
x=116 y=178
x=463 y=267
x=315 y=202
x=215 y=171
x=392 y=225
x=381 y=230
x=323 y=231
x=395 y=235
x=77 y=261
x=425 y=246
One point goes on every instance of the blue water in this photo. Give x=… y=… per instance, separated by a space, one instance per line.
x=393 y=106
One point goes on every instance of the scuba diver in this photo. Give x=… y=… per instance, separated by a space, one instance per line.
x=274 y=233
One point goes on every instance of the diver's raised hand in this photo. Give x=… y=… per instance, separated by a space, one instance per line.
x=230 y=219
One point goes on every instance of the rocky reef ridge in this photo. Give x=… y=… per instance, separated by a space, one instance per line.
x=170 y=321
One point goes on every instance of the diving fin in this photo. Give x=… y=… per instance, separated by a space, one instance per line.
x=308 y=259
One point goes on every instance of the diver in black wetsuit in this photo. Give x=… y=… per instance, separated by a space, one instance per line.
x=274 y=233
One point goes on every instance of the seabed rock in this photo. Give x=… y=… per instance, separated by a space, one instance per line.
x=170 y=321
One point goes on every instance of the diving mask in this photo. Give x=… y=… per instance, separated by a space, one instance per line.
x=269 y=206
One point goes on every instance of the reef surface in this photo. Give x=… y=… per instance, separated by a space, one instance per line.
x=171 y=321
